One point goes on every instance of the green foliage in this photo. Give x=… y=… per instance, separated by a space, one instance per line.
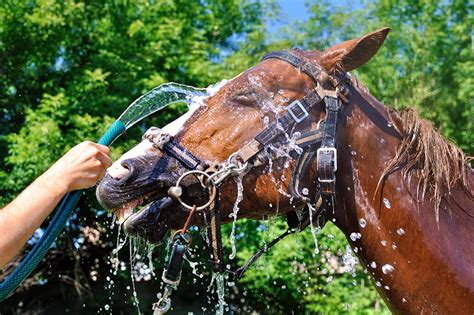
x=293 y=278
x=68 y=68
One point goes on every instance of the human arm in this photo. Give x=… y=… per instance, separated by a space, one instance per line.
x=81 y=167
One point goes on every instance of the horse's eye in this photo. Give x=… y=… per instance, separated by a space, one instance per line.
x=247 y=99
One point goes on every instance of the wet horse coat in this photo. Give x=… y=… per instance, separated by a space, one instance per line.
x=417 y=245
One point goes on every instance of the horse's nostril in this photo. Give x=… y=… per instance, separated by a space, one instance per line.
x=127 y=171
x=121 y=171
x=126 y=166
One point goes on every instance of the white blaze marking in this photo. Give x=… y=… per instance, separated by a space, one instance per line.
x=175 y=126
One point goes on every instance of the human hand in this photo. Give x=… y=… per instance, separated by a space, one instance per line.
x=81 y=167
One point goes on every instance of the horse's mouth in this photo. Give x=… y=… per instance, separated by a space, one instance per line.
x=145 y=218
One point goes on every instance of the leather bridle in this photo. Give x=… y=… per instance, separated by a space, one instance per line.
x=317 y=144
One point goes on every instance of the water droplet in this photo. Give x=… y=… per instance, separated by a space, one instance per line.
x=387 y=203
x=348 y=189
x=394 y=246
x=400 y=231
x=404 y=300
x=106 y=307
x=386 y=287
x=373 y=265
x=355 y=236
x=330 y=278
x=384 y=242
x=353 y=153
x=399 y=189
x=305 y=191
x=362 y=223
x=389 y=125
x=382 y=141
x=378 y=284
x=387 y=268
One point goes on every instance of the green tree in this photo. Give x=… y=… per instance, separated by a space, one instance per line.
x=68 y=68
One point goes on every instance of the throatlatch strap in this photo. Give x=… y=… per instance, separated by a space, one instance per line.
x=309 y=141
x=326 y=155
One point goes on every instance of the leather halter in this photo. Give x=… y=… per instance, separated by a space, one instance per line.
x=319 y=143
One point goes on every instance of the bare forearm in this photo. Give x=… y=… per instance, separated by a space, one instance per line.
x=20 y=218
x=81 y=167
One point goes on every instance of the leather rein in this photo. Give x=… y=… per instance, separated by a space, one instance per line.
x=317 y=144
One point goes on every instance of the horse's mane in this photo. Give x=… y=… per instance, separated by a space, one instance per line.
x=437 y=163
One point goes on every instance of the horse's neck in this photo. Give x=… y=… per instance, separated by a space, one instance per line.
x=417 y=262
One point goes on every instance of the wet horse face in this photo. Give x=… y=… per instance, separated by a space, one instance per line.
x=231 y=118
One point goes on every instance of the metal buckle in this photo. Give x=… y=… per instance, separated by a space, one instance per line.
x=295 y=117
x=334 y=152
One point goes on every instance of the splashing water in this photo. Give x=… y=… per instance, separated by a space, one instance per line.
x=387 y=268
x=218 y=285
x=233 y=215
x=115 y=259
x=136 y=302
x=150 y=259
x=194 y=269
x=355 y=236
x=157 y=99
x=387 y=204
x=349 y=261
x=314 y=230
x=120 y=244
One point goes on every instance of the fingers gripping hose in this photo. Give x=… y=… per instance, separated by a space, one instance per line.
x=68 y=204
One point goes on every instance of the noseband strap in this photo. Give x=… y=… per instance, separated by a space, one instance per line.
x=165 y=143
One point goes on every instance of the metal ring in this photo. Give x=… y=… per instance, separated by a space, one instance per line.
x=163 y=305
x=182 y=232
x=239 y=166
x=211 y=197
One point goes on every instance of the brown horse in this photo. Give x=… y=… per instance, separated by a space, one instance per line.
x=400 y=184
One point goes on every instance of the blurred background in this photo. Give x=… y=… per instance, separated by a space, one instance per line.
x=68 y=68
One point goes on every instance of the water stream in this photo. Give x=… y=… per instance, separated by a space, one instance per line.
x=235 y=211
x=217 y=285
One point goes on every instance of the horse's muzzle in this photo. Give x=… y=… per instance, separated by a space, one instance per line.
x=149 y=222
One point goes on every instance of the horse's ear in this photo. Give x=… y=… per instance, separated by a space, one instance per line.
x=353 y=53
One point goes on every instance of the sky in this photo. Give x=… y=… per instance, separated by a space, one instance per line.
x=296 y=10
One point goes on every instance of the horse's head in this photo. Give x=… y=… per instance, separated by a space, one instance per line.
x=232 y=117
